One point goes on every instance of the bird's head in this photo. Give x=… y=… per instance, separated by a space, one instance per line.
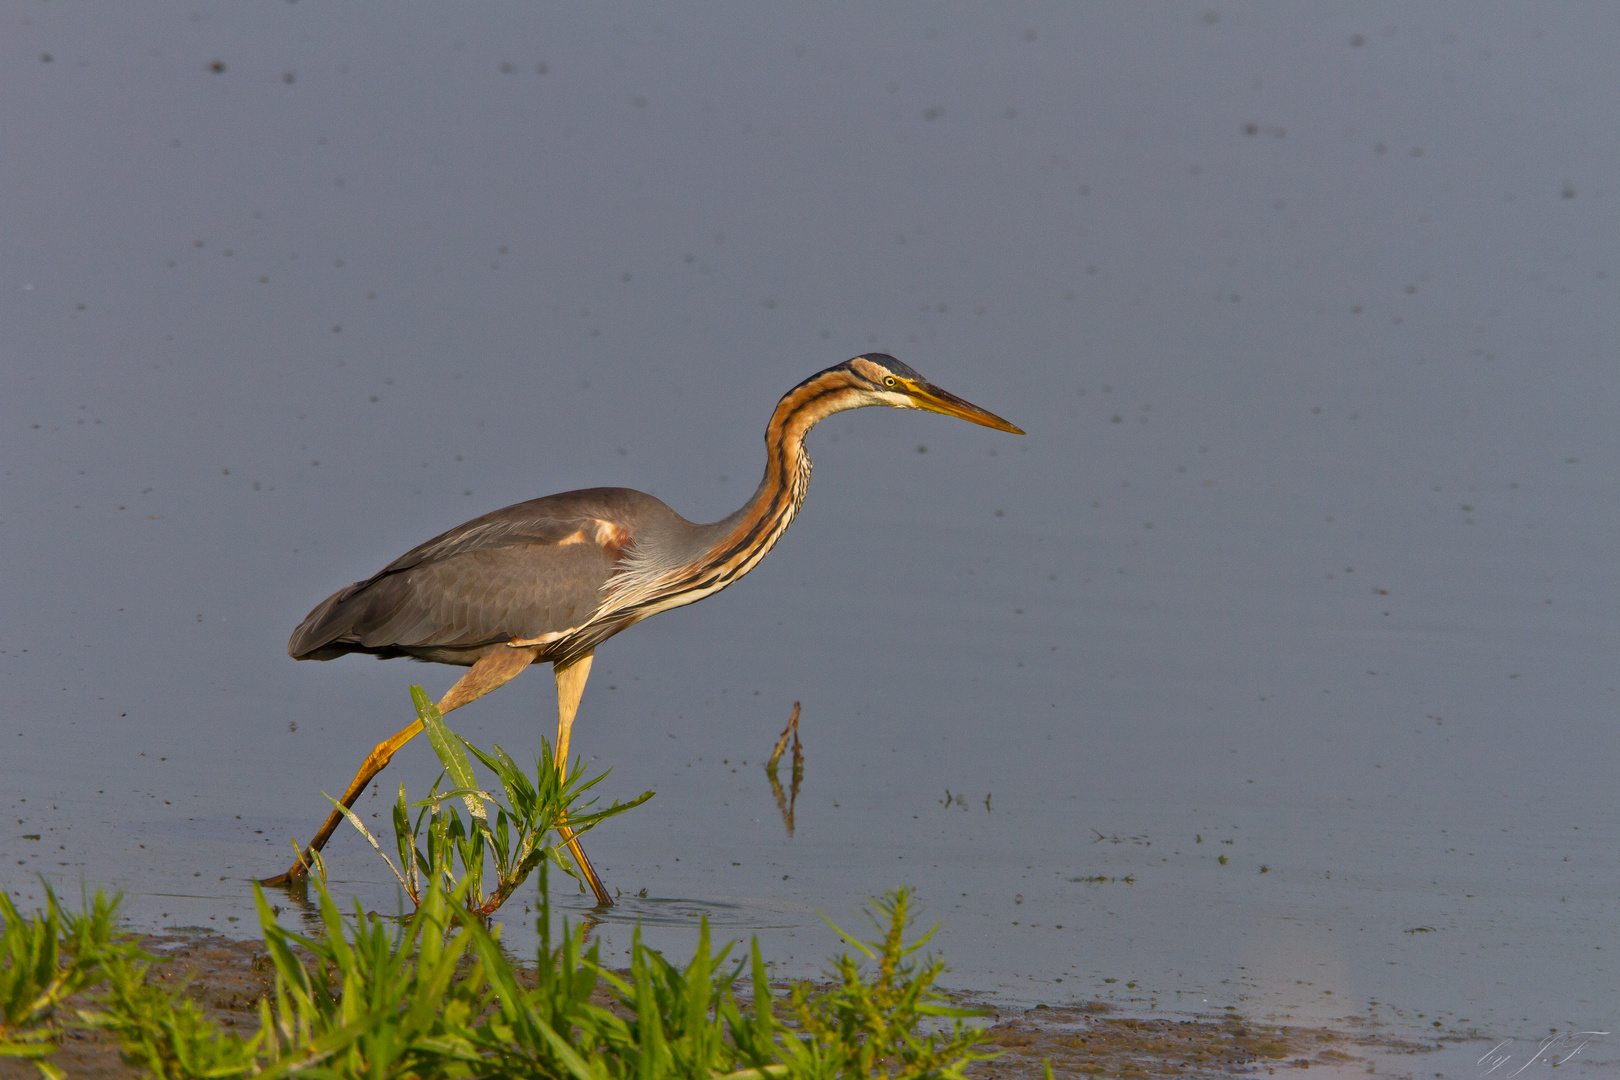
x=880 y=379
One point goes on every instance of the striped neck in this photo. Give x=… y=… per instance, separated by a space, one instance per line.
x=741 y=540
x=756 y=528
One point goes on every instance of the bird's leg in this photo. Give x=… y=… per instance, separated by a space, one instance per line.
x=494 y=669
x=571 y=677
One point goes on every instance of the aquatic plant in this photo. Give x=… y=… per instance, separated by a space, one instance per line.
x=439 y=846
x=47 y=959
x=436 y=996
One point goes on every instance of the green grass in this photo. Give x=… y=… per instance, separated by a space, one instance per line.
x=434 y=994
x=438 y=846
x=46 y=960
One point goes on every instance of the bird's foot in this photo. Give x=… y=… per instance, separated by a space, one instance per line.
x=294 y=874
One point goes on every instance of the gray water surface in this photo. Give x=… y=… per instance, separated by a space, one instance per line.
x=1274 y=669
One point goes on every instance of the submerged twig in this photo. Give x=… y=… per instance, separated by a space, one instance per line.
x=792 y=730
x=784 y=803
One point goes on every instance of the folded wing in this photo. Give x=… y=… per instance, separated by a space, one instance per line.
x=524 y=572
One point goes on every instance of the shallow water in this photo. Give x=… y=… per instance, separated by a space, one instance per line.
x=1273 y=669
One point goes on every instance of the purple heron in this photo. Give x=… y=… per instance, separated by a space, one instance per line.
x=547 y=581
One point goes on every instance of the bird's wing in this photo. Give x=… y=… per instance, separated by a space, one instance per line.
x=528 y=572
x=484 y=595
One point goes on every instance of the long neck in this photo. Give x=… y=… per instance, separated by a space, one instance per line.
x=747 y=535
x=728 y=549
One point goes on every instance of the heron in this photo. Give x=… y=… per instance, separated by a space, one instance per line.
x=549 y=580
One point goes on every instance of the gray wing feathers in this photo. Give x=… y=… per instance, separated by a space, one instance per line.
x=479 y=597
x=521 y=572
x=469 y=599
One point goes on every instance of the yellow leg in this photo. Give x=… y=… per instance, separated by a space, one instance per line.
x=494 y=669
x=570 y=688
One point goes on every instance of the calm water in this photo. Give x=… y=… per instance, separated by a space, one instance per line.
x=1273 y=669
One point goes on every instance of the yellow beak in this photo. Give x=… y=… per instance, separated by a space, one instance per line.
x=930 y=397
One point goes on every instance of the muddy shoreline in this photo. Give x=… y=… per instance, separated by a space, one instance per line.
x=227 y=978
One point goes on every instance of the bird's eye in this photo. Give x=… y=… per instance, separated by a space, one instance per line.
x=890 y=381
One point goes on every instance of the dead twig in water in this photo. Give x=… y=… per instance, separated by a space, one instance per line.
x=784 y=803
x=792 y=729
